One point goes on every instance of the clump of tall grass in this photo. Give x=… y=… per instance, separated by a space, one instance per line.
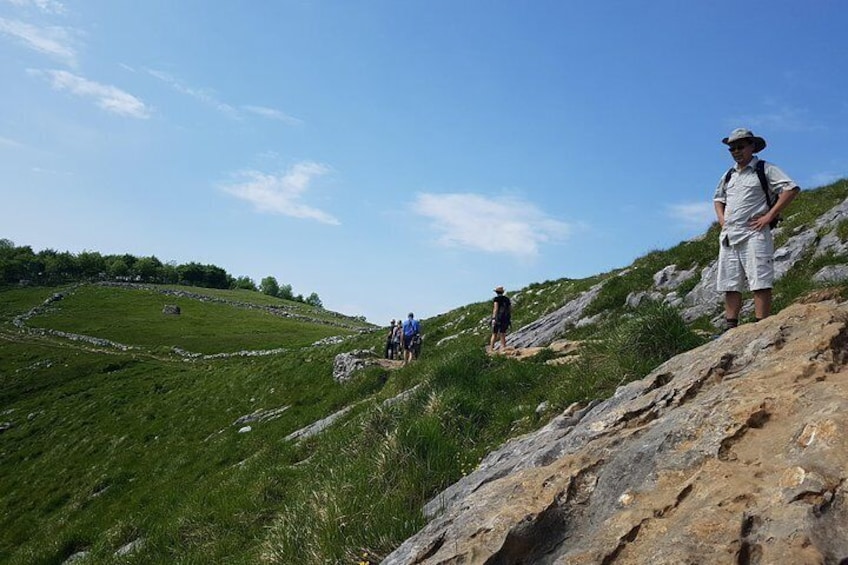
x=624 y=350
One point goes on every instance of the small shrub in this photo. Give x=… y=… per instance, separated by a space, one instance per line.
x=842 y=230
x=655 y=334
x=626 y=350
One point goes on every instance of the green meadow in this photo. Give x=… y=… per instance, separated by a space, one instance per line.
x=135 y=317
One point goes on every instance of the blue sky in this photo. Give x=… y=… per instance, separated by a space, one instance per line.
x=398 y=156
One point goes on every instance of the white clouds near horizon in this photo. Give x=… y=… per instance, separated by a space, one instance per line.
x=54 y=41
x=502 y=224
x=5 y=141
x=698 y=215
x=825 y=178
x=107 y=97
x=282 y=194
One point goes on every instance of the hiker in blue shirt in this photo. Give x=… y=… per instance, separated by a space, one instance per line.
x=411 y=338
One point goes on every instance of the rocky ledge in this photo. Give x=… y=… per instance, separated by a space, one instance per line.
x=735 y=452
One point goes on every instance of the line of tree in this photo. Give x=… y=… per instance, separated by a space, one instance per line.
x=271 y=287
x=20 y=265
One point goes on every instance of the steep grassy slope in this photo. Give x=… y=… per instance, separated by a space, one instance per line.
x=107 y=447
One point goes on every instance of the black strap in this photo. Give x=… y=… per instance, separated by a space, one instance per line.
x=764 y=183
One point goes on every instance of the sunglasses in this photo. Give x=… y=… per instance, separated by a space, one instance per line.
x=738 y=147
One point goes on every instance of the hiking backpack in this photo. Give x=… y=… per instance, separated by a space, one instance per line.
x=505 y=312
x=760 y=168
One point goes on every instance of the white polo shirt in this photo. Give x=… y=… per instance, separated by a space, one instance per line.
x=744 y=198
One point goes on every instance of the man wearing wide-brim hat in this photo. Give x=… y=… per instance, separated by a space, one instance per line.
x=746 y=214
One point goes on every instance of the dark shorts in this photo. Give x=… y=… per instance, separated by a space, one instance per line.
x=407 y=341
x=500 y=327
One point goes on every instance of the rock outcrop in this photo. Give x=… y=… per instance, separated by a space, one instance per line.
x=346 y=364
x=734 y=452
x=549 y=327
x=820 y=238
x=171 y=310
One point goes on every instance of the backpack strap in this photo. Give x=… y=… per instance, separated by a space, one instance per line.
x=764 y=183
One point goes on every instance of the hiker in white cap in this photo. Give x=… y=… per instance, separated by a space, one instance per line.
x=748 y=201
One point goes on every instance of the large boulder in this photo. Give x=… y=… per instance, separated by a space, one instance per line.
x=346 y=364
x=670 y=277
x=832 y=274
x=734 y=452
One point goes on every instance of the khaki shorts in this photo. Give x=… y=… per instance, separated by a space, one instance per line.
x=747 y=265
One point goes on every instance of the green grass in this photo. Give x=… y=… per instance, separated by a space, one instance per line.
x=135 y=317
x=106 y=448
x=260 y=299
x=19 y=300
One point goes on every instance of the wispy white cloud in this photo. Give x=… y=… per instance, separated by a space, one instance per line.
x=697 y=215
x=45 y=6
x=52 y=172
x=825 y=178
x=272 y=114
x=6 y=142
x=108 y=97
x=202 y=95
x=778 y=117
x=494 y=224
x=54 y=41
x=283 y=193
x=208 y=98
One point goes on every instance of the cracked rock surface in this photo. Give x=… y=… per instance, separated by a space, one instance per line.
x=735 y=452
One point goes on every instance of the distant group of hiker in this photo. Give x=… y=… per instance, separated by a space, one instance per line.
x=748 y=201
x=403 y=341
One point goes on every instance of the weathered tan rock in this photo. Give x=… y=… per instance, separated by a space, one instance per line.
x=736 y=452
x=561 y=347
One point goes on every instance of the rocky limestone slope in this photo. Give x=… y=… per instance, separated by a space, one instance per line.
x=819 y=238
x=735 y=452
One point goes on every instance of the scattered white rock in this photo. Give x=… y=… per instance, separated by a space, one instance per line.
x=129 y=548
x=832 y=274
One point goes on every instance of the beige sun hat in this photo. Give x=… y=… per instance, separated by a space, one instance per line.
x=742 y=133
x=499 y=289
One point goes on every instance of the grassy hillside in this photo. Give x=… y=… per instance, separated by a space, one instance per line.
x=135 y=317
x=103 y=447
